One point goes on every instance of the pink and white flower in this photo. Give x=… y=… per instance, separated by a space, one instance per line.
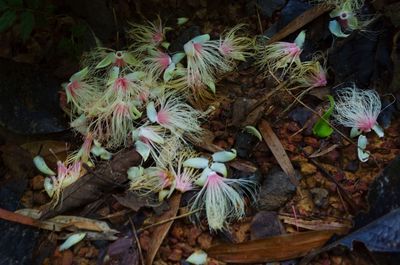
x=280 y=55
x=359 y=110
x=234 y=47
x=175 y=115
x=310 y=74
x=223 y=199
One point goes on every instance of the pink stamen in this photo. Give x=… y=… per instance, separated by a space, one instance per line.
x=121 y=83
x=319 y=80
x=292 y=49
x=366 y=123
x=163 y=117
x=74 y=85
x=122 y=110
x=165 y=179
x=197 y=47
x=214 y=180
x=158 y=37
x=87 y=144
x=226 y=48
x=163 y=60
x=182 y=184
x=62 y=170
x=144 y=96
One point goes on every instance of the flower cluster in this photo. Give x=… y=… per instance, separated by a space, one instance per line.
x=222 y=198
x=283 y=58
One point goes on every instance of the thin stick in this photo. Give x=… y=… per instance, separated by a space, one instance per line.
x=137 y=241
x=168 y=220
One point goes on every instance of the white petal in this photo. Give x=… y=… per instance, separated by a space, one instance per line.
x=203 y=177
x=113 y=75
x=80 y=75
x=198 y=257
x=224 y=156
x=135 y=172
x=336 y=29
x=201 y=39
x=151 y=135
x=196 y=162
x=220 y=168
x=129 y=59
x=169 y=72
x=48 y=187
x=182 y=20
x=143 y=149
x=106 y=61
x=252 y=130
x=361 y=145
x=177 y=57
x=378 y=130
x=136 y=76
x=42 y=166
x=354 y=132
x=163 y=194
x=72 y=240
x=165 y=44
x=151 y=112
x=300 y=39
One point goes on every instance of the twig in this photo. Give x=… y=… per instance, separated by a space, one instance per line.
x=137 y=241
x=168 y=220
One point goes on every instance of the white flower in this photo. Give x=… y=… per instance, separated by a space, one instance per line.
x=222 y=199
x=359 y=110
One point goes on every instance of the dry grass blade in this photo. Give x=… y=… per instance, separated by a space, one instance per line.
x=160 y=232
x=277 y=150
x=324 y=152
x=271 y=249
x=301 y=21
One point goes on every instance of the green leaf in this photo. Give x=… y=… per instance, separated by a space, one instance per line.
x=321 y=127
x=7 y=19
x=27 y=24
x=253 y=131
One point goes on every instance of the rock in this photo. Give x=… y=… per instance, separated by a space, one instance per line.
x=307 y=169
x=265 y=224
x=244 y=144
x=29 y=99
x=275 y=191
x=300 y=115
x=176 y=255
x=320 y=197
x=204 y=240
x=37 y=182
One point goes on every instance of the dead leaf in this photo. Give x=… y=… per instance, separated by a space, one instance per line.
x=324 y=152
x=160 y=232
x=276 y=248
x=317 y=225
x=61 y=222
x=301 y=21
x=277 y=150
x=134 y=201
x=47 y=149
x=92 y=186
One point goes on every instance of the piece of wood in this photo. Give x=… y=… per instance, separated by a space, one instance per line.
x=277 y=150
x=272 y=249
x=161 y=231
x=300 y=21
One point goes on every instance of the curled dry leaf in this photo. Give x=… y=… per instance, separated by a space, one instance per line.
x=275 y=248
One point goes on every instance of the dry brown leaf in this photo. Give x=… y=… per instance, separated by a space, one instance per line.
x=277 y=150
x=161 y=231
x=317 y=225
x=47 y=148
x=276 y=248
x=324 y=152
x=64 y=222
x=301 y=21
